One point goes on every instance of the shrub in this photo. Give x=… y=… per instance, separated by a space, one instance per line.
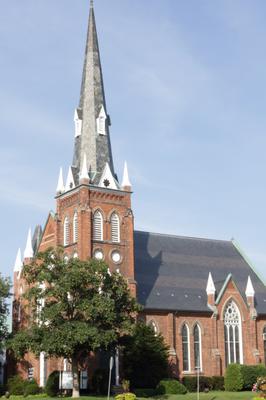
x=2 y=390
x=191 y=383
x=126 y=396
x=31 y=388
x=217 y=383
x=145 y=392
x=52 y=384
x=170 y=386
x=100 y=381
x=250 y=374
x=16 y=385
x=233 y=381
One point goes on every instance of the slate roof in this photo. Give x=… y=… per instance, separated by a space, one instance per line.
x=172 y=271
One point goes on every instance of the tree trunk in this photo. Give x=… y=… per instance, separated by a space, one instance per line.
x=75 y=373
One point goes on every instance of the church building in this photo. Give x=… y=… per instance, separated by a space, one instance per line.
x=202 y=295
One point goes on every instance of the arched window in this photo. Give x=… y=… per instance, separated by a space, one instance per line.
x=264 y=343
x=232 y=334
x=98 y=226
x=66 y=231
x=115 y=228
x=185 y=348
x=197 y=348
x=75 y=227
x=152 y=324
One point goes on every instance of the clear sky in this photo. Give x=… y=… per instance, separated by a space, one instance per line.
x=185 y=86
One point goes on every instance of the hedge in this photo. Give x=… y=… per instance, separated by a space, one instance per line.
x=170 y=386
x=250 y=373
x=233 y=380
x=52 y=384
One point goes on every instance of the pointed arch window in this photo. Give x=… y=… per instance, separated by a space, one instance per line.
x=264 y=343
x=98 y=226
x=75 y=227
x=66 y=231
x=197 y=348
x=185 y=348
x=152 y=324
x=115 y=228
x=233 y=334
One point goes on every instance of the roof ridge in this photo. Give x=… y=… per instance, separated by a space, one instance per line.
x=184 y=236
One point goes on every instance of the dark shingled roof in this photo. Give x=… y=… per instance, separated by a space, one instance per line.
x=172 y=271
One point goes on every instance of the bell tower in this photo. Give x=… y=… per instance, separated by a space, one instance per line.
x=93 y=210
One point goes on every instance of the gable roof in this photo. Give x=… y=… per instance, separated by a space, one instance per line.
x=172 y=271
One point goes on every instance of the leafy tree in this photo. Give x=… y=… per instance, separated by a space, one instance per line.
x=5 y=286
x=145 y=357
x=73 y=307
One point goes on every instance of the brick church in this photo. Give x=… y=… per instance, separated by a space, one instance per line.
x=202 y=295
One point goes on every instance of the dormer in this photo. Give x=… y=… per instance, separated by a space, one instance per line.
x=101 y=122
x=78 y=121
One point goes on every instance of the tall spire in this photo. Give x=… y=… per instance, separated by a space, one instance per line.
x=94 y=141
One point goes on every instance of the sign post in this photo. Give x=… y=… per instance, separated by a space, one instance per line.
x=111 y=364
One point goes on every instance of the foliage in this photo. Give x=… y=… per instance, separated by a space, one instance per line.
x=126 y=385
x=233 y=380
x=171 y=386
x=5 y=286
x=145 y=358
x=100 y=381
x=260 y=386
x=52 y=384
x=18 y=386
x=217 y=383
x=250 y=374
x=84 y=308
x=31 y=388
x=190 y=382
x=2 y=390
x=145 y=392
x=126 y=396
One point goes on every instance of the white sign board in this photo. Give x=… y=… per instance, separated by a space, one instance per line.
x=67 y=380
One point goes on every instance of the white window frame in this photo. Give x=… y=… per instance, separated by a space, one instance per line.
x=115 y=228
x=75 y=227
x=98 y=226
x=188 y=346
x=66 y=231
x=228 y=322
x=200 y=345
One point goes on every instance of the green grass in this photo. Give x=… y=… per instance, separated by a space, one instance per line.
x=189 y=396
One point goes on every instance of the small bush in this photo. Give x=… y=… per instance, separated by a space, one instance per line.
x=233 y=381
x=100 y=381
x=16 y=385
x=52 y=384
x=250 y=374
x=145 y=392
x=217 y=383
x=170 y=386
x=31 y=388
x=126 y=396
x=191 y=383
x=2 y=390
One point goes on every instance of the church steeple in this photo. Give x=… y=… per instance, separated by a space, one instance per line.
x=92 y=140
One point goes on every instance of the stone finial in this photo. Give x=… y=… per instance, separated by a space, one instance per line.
x=18 y=263
x=84 y=175
x=91 y=4
x=210 y=289
x=60 y=185
x=250 y=292
x=70 y=184
x=28 y=252
x=126 y=184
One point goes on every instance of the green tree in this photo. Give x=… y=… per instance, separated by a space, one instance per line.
x=5 y=286
x=145 y=357
x=73 y=307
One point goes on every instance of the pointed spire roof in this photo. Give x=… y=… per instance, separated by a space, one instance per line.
x=210 y=289
x=92 y=99
x=125 y=181
x=28 y=252
x=18 y=263
x=84 y=174
x=70 y=184
x=107 y=179
x=250 y=292
x=60 y=185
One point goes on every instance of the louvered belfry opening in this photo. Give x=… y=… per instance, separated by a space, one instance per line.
x=66 y=231
x=75 y=227
x=115 y=228
x=98 y=226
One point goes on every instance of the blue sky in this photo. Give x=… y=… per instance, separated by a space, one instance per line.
x=185 y=87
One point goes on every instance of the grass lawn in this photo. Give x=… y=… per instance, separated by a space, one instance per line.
x=189 y=396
